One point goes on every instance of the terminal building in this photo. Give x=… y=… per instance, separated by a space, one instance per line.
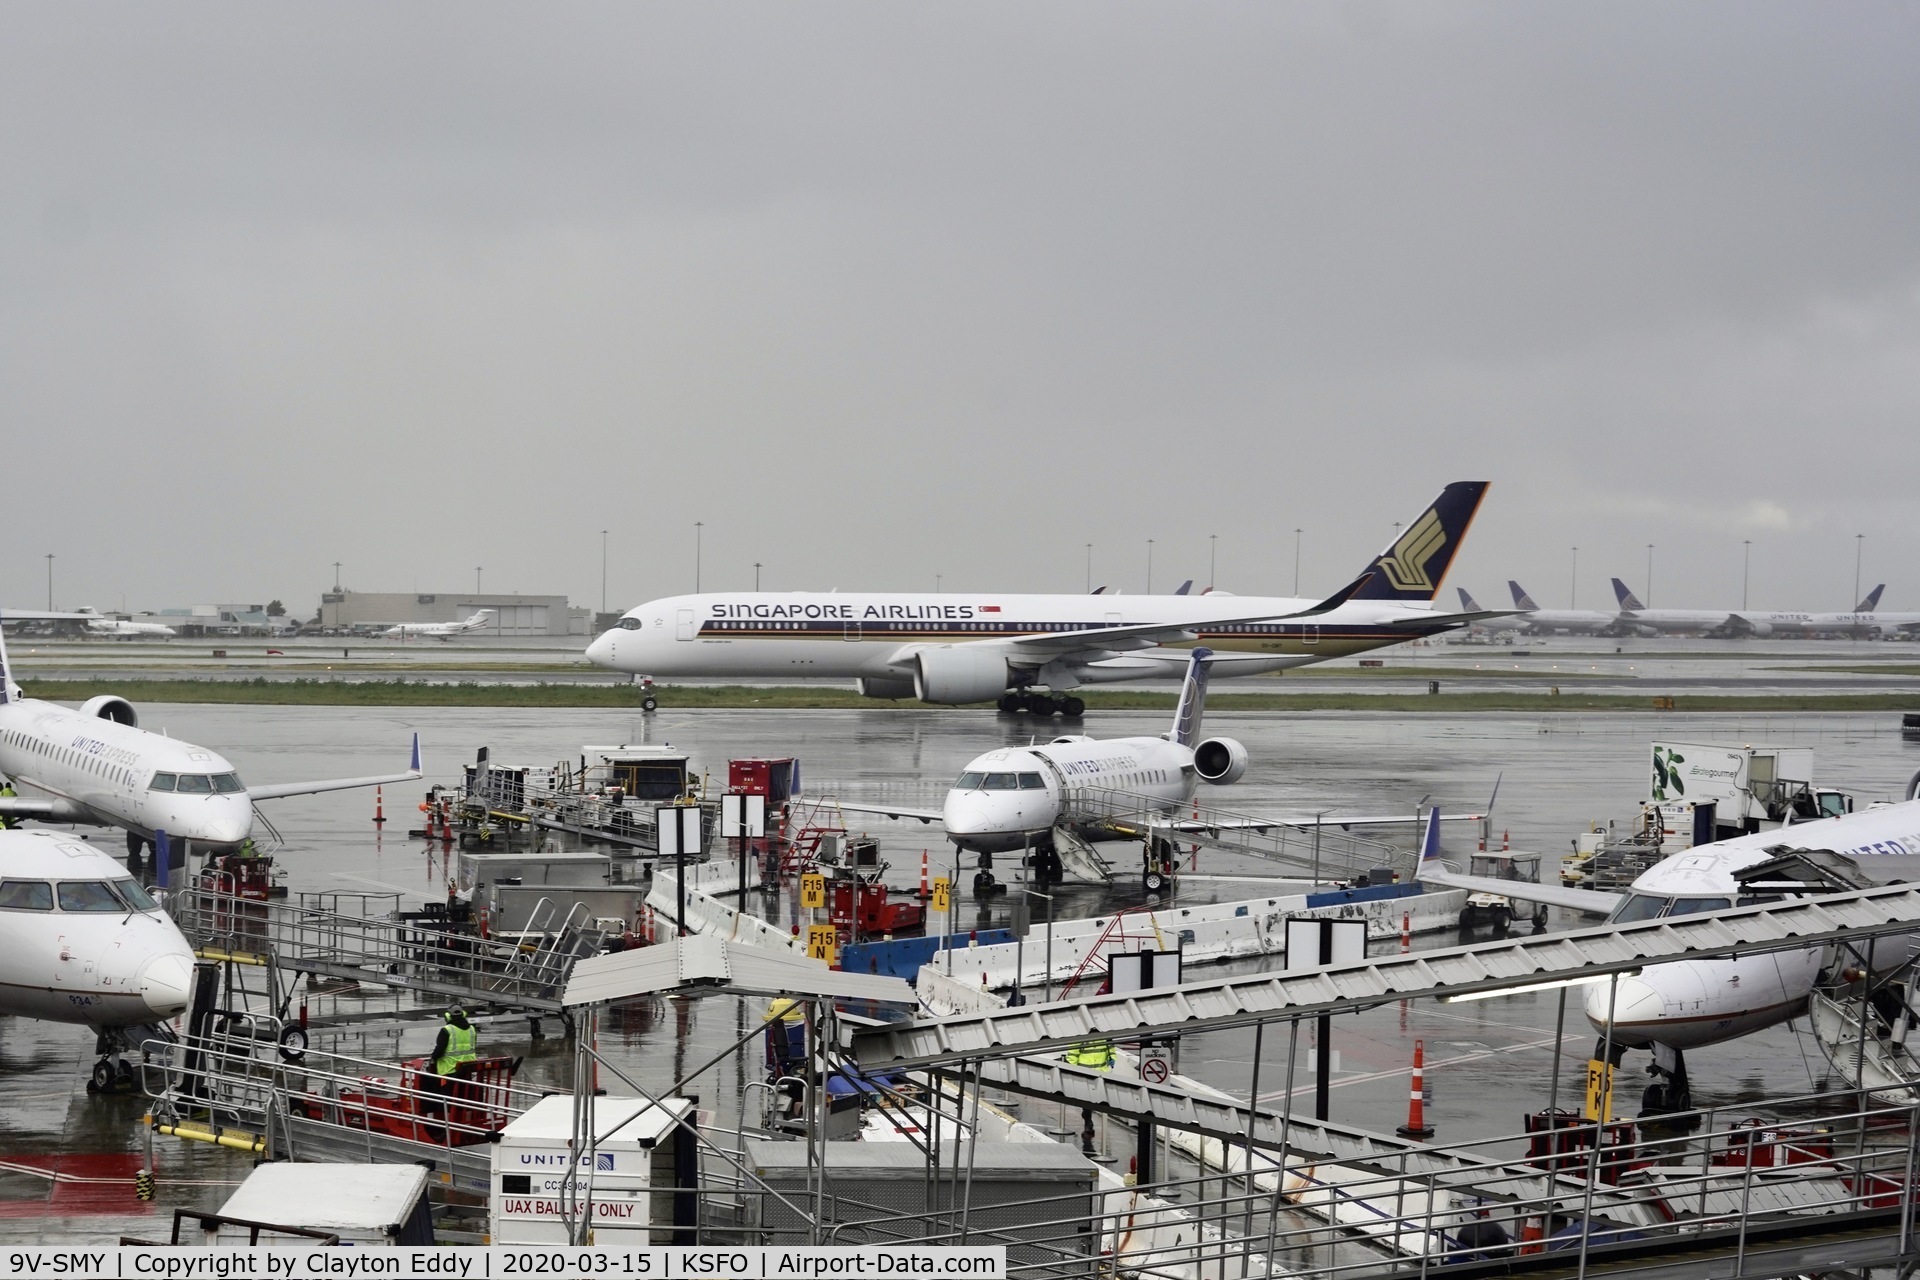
x=513 y=615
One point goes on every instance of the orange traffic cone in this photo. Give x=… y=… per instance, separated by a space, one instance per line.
x=1406 y=932
x=379 y=809
x=1416 y=1125
x=1506 y=841
x=926 y=886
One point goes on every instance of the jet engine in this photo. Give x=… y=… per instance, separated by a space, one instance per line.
x=1220 y=761
x=109 y=707
x=881 y=687
x=951 y=676
x=1760 y=628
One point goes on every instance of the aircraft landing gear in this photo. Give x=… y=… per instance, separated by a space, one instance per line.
x=1669 y=1091
x=112 y=1073
x=1015 y=701
x=1161 y=860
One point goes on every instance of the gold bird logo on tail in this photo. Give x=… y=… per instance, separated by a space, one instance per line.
x=1405 y=564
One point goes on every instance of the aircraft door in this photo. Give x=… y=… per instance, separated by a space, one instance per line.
x=683 y=628
x=1310 y=633
x=851 y=631
x=1113 y=620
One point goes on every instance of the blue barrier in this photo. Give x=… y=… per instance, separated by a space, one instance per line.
x=903 y=957
x=1373 y=893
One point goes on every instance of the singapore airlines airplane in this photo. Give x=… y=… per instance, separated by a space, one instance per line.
x=438 y=630
x=1687 y=1004
x=951 y=649
x=85 y=944
x=94 y=766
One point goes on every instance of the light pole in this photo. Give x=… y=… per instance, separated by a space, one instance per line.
x=1649 y=575
x=1089 y=568
x=756 y=575
x=697 y=526
x=476 y=579
x=1296 y=562
x=1573 y=582
x=1859 y=541
x=49 y=582
x=1746 y=563
x=1149 y=568
x=936 y=582
x=336 y=576
x=1213 y=547
x=603 y=571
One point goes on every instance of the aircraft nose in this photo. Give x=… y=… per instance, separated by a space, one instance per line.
x=166 y=984
x=970 y=813
x=1635 y=1001
x=600 y=652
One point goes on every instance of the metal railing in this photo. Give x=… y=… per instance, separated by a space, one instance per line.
x=324 y=934
x=1319 y=850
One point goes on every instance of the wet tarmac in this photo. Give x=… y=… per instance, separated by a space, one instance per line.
x=1488 y=1062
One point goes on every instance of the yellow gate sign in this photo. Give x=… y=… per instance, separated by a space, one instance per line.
x=1599 y=1091
x=942 y=894
x=813 y=890
x=822 y=940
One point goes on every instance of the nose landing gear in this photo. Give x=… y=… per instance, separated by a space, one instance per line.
x=113 y=1073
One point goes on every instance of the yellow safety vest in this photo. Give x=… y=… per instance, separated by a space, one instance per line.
x=785 y=1009
x=1092 y=1053
x=460 y=1046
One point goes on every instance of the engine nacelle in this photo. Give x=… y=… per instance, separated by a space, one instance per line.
x=1220 y=761
x=959 y=675
x=109 y=707
x=1760 y=628
x=882 y=687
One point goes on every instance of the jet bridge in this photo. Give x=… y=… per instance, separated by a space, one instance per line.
x=1582 y=955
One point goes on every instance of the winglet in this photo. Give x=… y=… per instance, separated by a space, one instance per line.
x=1193 y=700
x=415 y=764
x=1521 y=600
x=1429 y=845
x=1626 y=597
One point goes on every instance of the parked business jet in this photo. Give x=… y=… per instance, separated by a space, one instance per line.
x=83 y=943
x=438 y=630
x=121 y=629
x=1687 y=1004
x=952 y=649
x=96 y=767
x=1575 y=622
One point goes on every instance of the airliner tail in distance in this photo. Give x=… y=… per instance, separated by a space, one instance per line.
x=1521 y=600
x=1411 y=570
x=1467 y=603
x=1871 y=601
x=1625 y=596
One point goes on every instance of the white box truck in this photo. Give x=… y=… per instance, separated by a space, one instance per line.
x=1753 y=787
x=640 y=1196
x=362 y=1204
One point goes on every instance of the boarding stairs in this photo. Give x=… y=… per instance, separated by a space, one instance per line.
x=362 y=938
x=235 y=1084
x=1317 y=850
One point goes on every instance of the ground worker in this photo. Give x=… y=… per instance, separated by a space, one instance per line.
x=455 y=1044
x=7 y=793
x=786 y=1020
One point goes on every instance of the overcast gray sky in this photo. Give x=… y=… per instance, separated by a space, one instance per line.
x=883 y=291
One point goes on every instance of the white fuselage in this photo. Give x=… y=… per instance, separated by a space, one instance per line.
x=1863 y=624
x=123 y=776
x=1675 y=620
x=871 y=636
x=1699 y=1002
x=80 y=941
x=1007 y=798
x=115 y=628
x=1579 y=622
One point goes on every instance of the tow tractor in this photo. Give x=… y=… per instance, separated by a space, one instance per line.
x=1496 y=909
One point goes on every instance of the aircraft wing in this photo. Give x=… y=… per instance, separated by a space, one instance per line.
x=45 y=810
x=42 y=615
x=1049 y=645
x=1268 y=824
x=1431 y=870
x=893 y=811
x=278 y=790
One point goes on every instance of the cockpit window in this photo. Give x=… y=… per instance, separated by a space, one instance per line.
x=1001 y=782
x=88 y=895
x=198 y=784
x=161 y=782
x=1696 y=906
x=970 y=781
x=1638 y=906
x=133 y=895
x=227 y=783
x=628 y=624
x=25 y=895
x=1031 y=782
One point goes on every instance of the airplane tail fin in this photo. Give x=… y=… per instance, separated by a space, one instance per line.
x=1872 y=600
x=1193 y=700
x=1184 y=587
x=9 y=692
x=1411 y=570
x=1467 y=603
x=1521 y=600
x=1626 y=597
